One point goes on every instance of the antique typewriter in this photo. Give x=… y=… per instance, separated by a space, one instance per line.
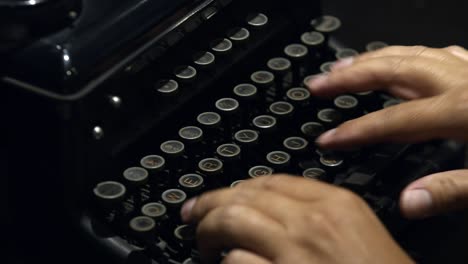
x=133 y=107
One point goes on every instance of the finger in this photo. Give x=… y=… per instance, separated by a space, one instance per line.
x=458 y=51
x=272 y=204
x=404 y=92
x=417 y=73
x=238 y=227
x=405 y=51
x=412 y=121
x=240 y=256
x=434 y=194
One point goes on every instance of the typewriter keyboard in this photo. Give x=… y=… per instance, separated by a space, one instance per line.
x=264 y=124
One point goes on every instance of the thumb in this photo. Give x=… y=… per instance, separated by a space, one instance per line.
x=434 y=194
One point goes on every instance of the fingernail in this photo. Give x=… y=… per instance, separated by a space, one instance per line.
x=319 y=82
x=417 y=201
x=343 y=63
x=326 y=137
x=186 y=210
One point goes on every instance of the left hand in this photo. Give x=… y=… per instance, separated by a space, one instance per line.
x=285 y=219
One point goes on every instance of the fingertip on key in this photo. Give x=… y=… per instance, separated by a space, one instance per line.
x=319 y=82
x=343 y=63
x=186 y=210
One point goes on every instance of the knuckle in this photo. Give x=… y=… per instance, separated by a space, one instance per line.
x=245 y=195
x=449 y=193
x=454 y=48
x=318 y=221
x=273 y=182
x=229 y=216
x=202 y=202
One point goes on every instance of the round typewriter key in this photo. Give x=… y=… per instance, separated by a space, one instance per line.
x=281 y=109
x=136 y=176
x=313 y=39
x=298 y=96
x=296 y=51
x=109 y=192
x=331 y=161
x=191 y=134
x=298 y=54
x=209 y=119
x=211 y=166
x=278 y=159
x=185 y=73
x=153 y=163
x=232 y=119
x=314 y=174
x=154 y=210
x=346 y=53
x=166 y=87
x=265 y=80
x=221 y=46
x=228 y=151
x=329 y=116
x=234 y=184
x=204 y=59
x=282 y=69
x=265 y=123
x=191 y=182
x=312 y=130
x=185 y=233
x=257 y=20
x=346 y=102
x=245 y=91
x=309 y=78
x=185 y=236
x=376 y=45
x=246 y=136
x=142 y=225
x=326 y=24
x=391 y=102
x=227 y=105
x=174 y=197
x=262 y=78
x=295 y=144
x=173 y=148
x=279 y=64
x=239 y=34
x=211 y=122
x=259 y=171
x=327 y=67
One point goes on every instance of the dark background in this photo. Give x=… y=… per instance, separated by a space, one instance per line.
x=404 y=22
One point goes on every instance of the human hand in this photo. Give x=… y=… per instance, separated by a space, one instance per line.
x=284 y=219
x=436 y=83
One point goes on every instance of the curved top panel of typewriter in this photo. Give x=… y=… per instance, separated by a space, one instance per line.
x=103 y=37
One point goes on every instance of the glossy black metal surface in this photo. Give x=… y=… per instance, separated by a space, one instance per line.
x=102 y=35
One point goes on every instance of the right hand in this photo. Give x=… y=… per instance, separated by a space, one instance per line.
x=435 y=83
x=436 y=80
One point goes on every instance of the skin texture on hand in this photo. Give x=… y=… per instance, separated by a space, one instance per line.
x=435 y=83
x=434 y=80
x=285 y=219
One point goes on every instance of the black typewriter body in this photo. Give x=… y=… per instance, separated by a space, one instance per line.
x=118 y=119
